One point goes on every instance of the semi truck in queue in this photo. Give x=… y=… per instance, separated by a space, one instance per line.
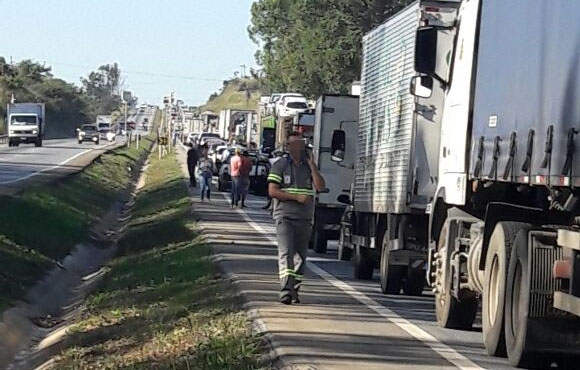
x=500 y=83
x=504 y=221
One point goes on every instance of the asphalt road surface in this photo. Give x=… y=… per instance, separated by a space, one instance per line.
x=341 y=323
x=27 y=163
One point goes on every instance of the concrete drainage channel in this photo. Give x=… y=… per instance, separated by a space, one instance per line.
x=32 y=332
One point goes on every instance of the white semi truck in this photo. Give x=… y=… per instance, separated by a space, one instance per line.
x=504 y=225
x=333 y=112
x=396 y=161
x=25 y=123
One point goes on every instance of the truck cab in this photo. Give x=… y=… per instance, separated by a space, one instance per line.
x=25 y=123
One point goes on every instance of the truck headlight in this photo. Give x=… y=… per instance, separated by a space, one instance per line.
x=11 y=131
x=34 y=132
x=95 y=138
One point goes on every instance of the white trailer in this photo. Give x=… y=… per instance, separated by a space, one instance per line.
x=333 y=112
x=504 y=221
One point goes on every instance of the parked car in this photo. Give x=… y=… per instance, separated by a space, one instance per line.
x=89 y=133
x=258 y=174
x=291 y=106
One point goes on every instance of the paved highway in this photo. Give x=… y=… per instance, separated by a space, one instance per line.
x=58 y=156
x=341 y=323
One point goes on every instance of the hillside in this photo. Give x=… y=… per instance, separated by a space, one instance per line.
x=234 y=95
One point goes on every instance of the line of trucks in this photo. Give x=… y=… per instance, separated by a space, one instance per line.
x=456 y=168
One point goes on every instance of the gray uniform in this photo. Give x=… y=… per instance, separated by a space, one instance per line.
x=293 y=222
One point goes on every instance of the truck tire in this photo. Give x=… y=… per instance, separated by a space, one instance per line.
x=364 y=264
x=344 y=251
x=320 y=240
x=415 y=281
x=221 y=186
x=38 y=143
x=80 y=141
x=391 y=275
x=451 y=313
x=518 y=298
x=494 y=285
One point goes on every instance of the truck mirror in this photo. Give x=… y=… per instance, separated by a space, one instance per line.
x=338 y=145
x=343 y=198
x=426 y=50
x=422 y=86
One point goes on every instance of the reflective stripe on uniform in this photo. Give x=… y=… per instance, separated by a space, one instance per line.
x=290 y=272
x=299 y=191
x=275 y=178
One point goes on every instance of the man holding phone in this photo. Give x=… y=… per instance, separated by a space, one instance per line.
x=292 y=182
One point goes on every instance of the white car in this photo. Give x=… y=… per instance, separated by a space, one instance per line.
x=291 y=106
x=283 y=98
x=207 y=136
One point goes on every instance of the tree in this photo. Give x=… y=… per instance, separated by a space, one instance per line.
x=103 y=88
x=314 y=46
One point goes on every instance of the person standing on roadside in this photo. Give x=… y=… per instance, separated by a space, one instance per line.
x=235 y=167
x=205 y=173
x=244 y=185
x=291 y=184
x=192 y=159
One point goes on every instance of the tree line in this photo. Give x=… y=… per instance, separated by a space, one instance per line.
x=314 y=46
x=67 y=105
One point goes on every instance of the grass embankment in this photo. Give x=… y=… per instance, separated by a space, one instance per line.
x=42 y=224
x=161 y=306
x=236 y=94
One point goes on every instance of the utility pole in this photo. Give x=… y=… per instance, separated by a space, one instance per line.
x=243 y=66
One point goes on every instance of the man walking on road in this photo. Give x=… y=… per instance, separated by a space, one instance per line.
x=291 y=181
x=244 y=184
x=205 y=173
x=192 y=159
x=235 y=167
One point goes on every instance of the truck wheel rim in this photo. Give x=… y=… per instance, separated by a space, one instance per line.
x=492 y=297
x=441 y=290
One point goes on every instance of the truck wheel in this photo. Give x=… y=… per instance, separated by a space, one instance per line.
x=496 y=268
x=344 y=251
x=451 y=313
x=364 y=264
x=221 y=186
x=80 y=141
x=38 y=143
x=391 y=275
x=320 y=240
x=415 y=281
x=518 y=299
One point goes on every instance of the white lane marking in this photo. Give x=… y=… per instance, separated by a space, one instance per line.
x=51 y=168
x=448 y=353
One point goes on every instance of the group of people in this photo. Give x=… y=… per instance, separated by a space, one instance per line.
x=293 y=181
x=240 y=168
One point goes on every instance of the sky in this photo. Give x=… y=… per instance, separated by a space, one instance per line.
x=186 y=46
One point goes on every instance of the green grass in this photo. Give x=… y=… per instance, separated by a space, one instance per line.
x=42 y=224
x=160 y=305
x=232 y=98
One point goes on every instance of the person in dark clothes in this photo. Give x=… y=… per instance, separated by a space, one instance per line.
x=192 y=159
